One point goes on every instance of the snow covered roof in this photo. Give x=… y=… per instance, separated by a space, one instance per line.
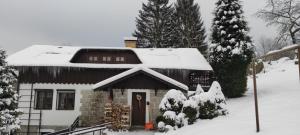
x=145 y=69
x=60 y=56
x=130 y=38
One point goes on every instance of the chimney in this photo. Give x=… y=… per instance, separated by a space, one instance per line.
x=130 y=42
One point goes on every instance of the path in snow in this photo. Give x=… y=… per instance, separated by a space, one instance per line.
x=279 y=107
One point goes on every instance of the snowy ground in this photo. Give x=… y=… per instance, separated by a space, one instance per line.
x=139 y=132
x=279 y=107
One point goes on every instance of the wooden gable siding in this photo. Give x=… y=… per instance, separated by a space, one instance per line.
x=139 y=80
x=83 y=56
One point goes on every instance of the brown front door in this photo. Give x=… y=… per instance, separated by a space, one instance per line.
x=138 y=108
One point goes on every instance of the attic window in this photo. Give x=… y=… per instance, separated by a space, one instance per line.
x=106 y=58
x=121 y=59
x=93 y=58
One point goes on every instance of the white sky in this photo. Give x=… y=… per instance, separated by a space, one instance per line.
x=90 y=22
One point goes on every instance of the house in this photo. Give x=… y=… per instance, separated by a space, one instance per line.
x=57 y=84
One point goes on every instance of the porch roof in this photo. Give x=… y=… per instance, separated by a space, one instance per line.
x=128 y=73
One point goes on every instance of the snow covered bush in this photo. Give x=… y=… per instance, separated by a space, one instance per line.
x=169 y=118
x=207 y=110
x=190 y=110
x=199 y=90
x=9 y=112
x=212 y=103
x=161 y=126
x=181 y=120
x=169 y=128
x=172 y=101
x=159 y=118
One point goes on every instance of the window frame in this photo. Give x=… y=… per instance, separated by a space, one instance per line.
x=117 y=59
x=122 y=59
x=108 y=58
x=36 y=97
x=58 y=91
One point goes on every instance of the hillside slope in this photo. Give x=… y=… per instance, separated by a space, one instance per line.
x=279 y=106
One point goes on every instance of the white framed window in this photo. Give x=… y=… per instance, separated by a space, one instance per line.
x=43 y=99
x=65 y=99
x=108 y=58
x=103 y=58
x=95 y=58
x=91 y=58
x=117 y=58
x=122 y=59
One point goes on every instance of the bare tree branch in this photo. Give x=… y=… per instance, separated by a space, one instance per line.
x=283 y=13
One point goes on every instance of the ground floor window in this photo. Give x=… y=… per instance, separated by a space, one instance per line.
x=65 y=99
x=43 y=99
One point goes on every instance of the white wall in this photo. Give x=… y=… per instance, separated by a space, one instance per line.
x=52 y=117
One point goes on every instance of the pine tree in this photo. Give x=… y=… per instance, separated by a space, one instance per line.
x=9 y=120
x=154 y=25
x=232 y=48
x=189 y=26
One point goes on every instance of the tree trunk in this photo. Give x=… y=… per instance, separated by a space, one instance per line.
x=294 y=41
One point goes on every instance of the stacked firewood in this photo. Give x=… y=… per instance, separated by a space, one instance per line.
x=118 y=115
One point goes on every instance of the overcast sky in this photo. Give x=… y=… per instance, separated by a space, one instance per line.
x=90 y=22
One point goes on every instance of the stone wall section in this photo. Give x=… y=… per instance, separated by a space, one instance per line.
x=92 y=107
x=93 y=103
x=155 y=101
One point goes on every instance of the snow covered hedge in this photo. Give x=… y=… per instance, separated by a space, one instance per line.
x=178 y=111
x=190 y=108
x=212 y=103
x=172 y=101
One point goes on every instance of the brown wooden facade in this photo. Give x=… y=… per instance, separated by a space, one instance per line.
x=106 y=56
x=67 y=75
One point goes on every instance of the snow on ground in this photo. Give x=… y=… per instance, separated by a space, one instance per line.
x=138 y=132
x=279 y=106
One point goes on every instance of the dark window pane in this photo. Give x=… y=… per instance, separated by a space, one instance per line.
x=43 y=99
x=66 y=100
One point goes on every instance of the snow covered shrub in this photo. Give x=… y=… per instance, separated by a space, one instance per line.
x=169 y=128
x=207 y=110
x=172 y=101
x=181 y=120
x=159 y=119
x=212 y=103
x=169 y=118
x=161 y=126
x=190 y=110
x=199 y=90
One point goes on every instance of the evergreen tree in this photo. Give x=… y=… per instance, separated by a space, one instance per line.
x=189 y=26
x=154 y=25
x=9 y=120
x=232 y=48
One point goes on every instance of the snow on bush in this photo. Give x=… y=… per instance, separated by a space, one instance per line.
x=169 y=128
x=199 y=90
x=190 y=108
x=169 y=118
x=172 y=101
x=161 y=126
x=212 y=103
x=181 y=120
